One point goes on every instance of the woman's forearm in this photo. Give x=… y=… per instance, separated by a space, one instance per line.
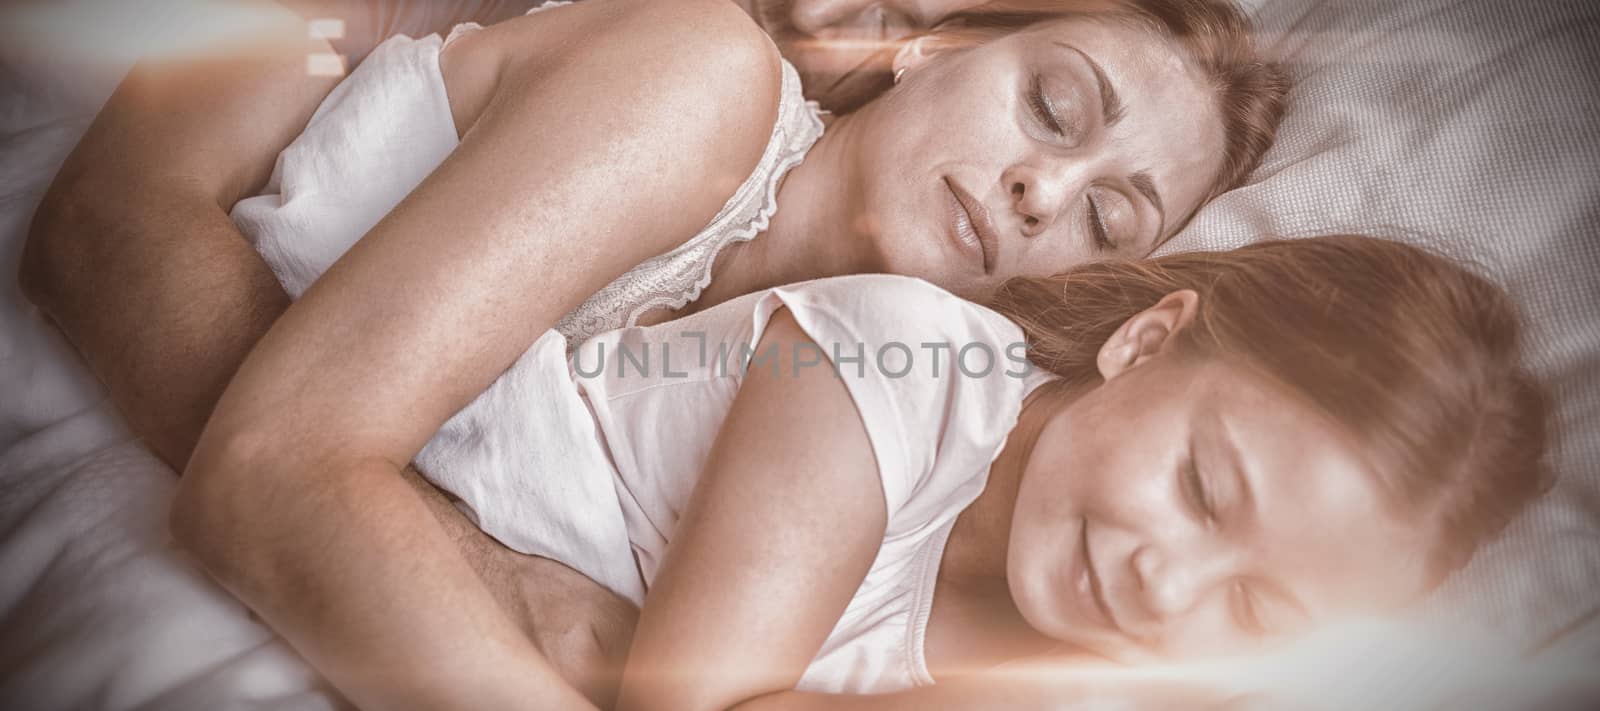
x=355 y=573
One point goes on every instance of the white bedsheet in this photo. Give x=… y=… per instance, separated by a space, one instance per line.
x=99 y=611
x=1468 y=124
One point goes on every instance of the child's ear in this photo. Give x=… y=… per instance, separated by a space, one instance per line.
x=1147 y=333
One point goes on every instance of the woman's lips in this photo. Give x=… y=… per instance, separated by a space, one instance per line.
x=972 y=228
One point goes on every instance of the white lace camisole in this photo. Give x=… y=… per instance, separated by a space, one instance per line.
x=388 y=125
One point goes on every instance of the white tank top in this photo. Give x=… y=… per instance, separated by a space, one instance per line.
x=591 y=459
x=388 y=125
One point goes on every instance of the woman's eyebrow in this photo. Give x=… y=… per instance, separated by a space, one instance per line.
x=1111 y=108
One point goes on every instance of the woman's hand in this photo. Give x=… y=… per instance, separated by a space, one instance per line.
x=581 y=627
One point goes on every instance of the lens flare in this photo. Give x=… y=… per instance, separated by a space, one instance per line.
x=79 y=31
x=1369 y=663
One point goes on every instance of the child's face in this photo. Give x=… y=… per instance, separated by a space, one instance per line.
x=1189 y=507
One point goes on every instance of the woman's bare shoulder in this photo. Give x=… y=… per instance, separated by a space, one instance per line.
x=703 y=60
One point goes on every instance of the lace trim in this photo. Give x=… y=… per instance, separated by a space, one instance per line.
x=793 y=156
x=466 y=27
x=679 y=276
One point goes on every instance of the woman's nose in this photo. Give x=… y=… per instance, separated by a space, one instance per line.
x=1171 y=583
x=1039 y=198
x=814 y=16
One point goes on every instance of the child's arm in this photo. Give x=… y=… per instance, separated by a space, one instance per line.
x=947 y=696
x=1029 y=685
x=782 y=527
x=1033 y=684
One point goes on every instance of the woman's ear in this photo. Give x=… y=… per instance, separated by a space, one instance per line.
x=914 y=53
x=1148 y=333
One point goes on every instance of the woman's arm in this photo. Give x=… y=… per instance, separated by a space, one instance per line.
x=784 y=524
x=132 y=255
x=610 y=149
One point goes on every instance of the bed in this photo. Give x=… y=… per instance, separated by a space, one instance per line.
x=1466 y=125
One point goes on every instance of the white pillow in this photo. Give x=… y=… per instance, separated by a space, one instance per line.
x=1470 y=126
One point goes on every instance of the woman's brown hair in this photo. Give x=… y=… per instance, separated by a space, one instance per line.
x=1411 y=353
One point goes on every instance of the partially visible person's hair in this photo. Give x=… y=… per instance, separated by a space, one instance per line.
x=1218 y=40
x=1409 y=352
x=1215 y=35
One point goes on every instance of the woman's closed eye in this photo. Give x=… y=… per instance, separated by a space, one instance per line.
x=1097 y=226
x=1050 y=112
x=1113 y=218
x=1043 y=109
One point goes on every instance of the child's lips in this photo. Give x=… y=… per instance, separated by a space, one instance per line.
x=1091 y=592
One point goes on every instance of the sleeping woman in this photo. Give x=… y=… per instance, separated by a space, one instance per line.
x=631 y=183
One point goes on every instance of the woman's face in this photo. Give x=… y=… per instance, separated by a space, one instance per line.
x=1031 y=153
x=1188 y=507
